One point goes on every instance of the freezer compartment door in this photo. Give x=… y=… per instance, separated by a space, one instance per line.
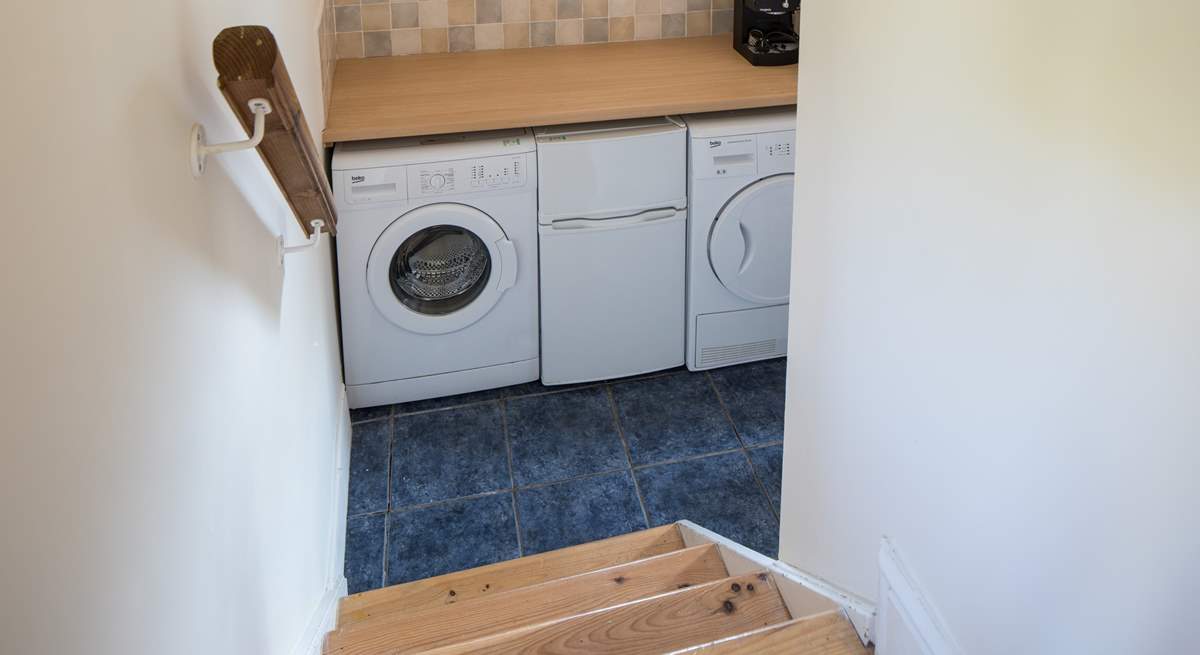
x=612 y=298
x=611 y=170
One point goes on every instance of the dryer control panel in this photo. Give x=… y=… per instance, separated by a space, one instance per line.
x=466 y=176
x=746 y=155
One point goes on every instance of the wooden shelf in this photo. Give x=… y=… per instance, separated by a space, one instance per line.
x=387 y=97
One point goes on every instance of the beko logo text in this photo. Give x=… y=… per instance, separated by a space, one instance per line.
x=714 y=144
x=355 y=179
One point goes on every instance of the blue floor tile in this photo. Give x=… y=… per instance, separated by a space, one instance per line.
x=753 y=393
x=671 y=417
x=369 y=445
x=578 y=511
x=448 y=454
x=449 y=537
x=563 y=435
x=536 y=387
x=364 y=552
x=717 y=492
x=370 y=413
x=768 y=463
x=449 y=401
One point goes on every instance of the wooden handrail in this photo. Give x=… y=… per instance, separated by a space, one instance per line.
x=249 y=66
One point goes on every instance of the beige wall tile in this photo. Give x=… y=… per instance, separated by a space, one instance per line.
x=674 y=6
x=433 y=13
x=699 y=5
x=595 y=8
x=377 y=44
x=570 y=9
x=434 y=39
x=542 y=10
x=698 y=23
x=515 y=11
x=371 y=2
x=647 y=26
x=672 y=26
x=406 y=42
x=620 y=28
x=722 y=22
x=541 y=34
x=345 y=2
x=649 y=7
x=722 y=4
x=595 y=30
x=621 y=7
x=461 y=38
x=404 y=14
x=348 y=18
x=489 y=36
x=569 y=32
x=516 y=35
x=349 y=45
x=460 y=12
x=376 y=17
x=487 y=11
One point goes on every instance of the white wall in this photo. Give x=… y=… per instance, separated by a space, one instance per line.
x=996 y=315
x=171 y=395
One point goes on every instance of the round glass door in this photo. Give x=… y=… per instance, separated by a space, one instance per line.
x=440 y=268
x=750 y=244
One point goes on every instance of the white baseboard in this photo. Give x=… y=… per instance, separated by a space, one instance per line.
x=804 y=594
x=324 y=616
x=907 y=623
x=323 y=619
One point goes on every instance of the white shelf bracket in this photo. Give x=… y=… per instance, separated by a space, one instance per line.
x=309 y=244
x=199 y=150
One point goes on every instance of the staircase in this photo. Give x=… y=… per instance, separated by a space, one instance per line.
x=644 y=592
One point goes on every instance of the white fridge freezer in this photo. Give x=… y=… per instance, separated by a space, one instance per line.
x=612 y=233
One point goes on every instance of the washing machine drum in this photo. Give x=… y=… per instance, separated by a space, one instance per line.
x=750 y=244
x=440 y=268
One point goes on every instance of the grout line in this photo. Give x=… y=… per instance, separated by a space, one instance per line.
x=575 y=478
x=387 y=515
x=762 y=488
x=637 y=488
x=482 y=494
x=512 y=481
x=689 y=458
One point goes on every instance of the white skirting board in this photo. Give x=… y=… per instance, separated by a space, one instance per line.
x=907 y=623
x=804 y=595
x=324 y=616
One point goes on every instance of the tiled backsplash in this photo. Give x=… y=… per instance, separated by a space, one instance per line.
x=379 y=28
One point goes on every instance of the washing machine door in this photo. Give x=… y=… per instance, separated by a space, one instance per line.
x=440 y=268
x=750 y=243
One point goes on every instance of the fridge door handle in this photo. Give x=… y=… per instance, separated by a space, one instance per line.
x=648 y=216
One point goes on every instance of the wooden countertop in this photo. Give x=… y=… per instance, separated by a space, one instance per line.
x=386 y=97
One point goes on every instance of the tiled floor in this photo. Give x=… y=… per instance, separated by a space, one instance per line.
x=451 y=483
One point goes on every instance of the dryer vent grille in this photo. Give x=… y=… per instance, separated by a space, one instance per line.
x=742 y=352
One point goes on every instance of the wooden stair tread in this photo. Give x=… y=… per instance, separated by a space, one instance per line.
x=662 y=623
x=829 y=633
x=398 y=630
x=512 y=574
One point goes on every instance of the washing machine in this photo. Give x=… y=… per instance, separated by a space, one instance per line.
x=437 y=264
x=740 y=175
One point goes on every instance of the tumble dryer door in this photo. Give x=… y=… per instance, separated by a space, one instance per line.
x=440 y=268
x=750 y=244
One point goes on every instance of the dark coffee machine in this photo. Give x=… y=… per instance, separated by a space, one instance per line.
x=764 y=33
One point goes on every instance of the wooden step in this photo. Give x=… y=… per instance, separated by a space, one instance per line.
x=829 y=633
x=670 y=621
x=511 y=574
x=400 y=630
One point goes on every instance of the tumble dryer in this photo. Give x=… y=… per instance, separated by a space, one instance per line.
x=740 y=178
x=437 y=264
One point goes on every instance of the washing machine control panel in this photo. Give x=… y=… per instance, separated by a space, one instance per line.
x=746 y=155
x=467 y=176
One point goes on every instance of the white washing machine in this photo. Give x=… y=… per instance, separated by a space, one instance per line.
x=437 y=264
x=740 y=179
